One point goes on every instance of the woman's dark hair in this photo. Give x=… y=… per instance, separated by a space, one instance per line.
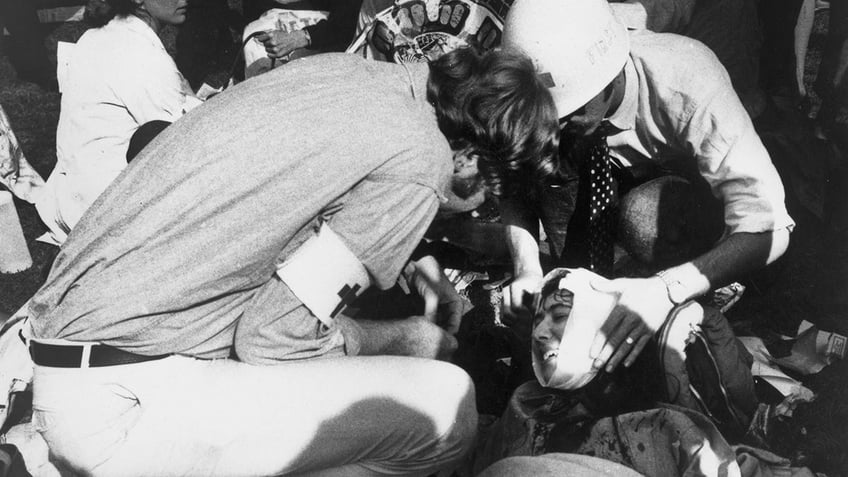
x=495 y=105
x=99 y=12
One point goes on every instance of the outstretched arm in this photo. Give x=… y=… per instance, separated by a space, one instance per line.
x=524 y=248
x=644 y=304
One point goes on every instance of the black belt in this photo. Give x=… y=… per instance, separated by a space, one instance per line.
x=71 y=356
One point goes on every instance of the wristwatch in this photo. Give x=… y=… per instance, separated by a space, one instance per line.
x=676 y=290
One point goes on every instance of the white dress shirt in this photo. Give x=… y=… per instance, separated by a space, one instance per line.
x=679 y=104
x=119 y=77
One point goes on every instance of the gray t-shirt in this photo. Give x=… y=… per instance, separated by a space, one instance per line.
x=185 y=243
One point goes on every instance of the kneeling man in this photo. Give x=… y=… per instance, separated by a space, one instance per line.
x=242 y=231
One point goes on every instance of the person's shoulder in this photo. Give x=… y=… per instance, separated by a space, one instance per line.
x=122 y=41
x=674 y=65
x=675 y=55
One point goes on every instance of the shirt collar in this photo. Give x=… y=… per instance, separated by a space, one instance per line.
x=624 y=117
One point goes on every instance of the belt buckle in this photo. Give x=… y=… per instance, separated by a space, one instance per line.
x=85 y=349
x=85 y=358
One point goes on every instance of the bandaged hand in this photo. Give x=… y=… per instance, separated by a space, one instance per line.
x=442 y=303
x=642 y=307
x=279 y=43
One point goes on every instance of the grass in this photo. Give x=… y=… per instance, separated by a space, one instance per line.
x=33 y=113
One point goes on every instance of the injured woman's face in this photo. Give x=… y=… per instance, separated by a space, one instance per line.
x=570 y=315
x=548 y=328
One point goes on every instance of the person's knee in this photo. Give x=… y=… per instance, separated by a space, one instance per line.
x=454 y=414
x=668 y=221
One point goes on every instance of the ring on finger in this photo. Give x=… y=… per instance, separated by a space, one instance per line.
x=629 y=340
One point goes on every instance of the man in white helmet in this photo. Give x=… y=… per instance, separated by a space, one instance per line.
x=652 y=99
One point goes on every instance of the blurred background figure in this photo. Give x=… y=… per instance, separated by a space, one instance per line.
x=778 y=19
x=119 y=77
x=278 y=31
x=831 y=84
x=730 y=28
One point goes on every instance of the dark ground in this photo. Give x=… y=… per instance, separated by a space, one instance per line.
x=809 y=283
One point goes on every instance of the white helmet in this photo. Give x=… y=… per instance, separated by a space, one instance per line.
x=579 y=43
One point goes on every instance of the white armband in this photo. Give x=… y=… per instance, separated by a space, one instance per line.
x=325 y=275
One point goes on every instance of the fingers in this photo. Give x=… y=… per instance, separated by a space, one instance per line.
x=383 y=38
x=431 y=304
x=608 y=337
x=623 y=343
x=606 y=286
x=452 y=311
x=513 y=295
x=637 y=349
x=623 y=336
x=278 y=43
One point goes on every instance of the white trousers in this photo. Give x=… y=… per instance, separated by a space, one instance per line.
x=348 y=416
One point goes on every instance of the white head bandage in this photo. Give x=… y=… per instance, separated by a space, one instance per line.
x=573 y=368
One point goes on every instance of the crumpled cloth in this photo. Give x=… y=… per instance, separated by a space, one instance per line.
x=666 y=441
x=16 y=174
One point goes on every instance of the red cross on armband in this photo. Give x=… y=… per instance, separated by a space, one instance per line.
x=325 y=275
x=347 y=295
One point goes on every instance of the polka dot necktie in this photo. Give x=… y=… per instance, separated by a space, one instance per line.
x=602 y=210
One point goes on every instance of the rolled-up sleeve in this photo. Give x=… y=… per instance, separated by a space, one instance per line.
x=381 y=220
x=733 y=160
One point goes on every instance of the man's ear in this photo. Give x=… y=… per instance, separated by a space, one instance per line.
x=457 y=205
x=465 y=164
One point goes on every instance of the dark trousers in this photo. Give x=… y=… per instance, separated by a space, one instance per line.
x=778 y=19
x=831 y=82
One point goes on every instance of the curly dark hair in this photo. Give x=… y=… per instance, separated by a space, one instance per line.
x=495 y=105
x=99 y=12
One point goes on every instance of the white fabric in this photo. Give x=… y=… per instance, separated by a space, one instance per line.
x=381 y=415
x=16 y=174
x=574 y=368
x=256 y=59
x=15 y=364
x=33 y=449
x=669 y=112
x=325 y=275
x=118 y=78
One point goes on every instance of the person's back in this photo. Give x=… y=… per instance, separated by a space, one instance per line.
x=206 y=247
x=241 y=166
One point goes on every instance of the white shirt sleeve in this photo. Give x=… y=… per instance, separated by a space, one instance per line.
x=733 y=160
